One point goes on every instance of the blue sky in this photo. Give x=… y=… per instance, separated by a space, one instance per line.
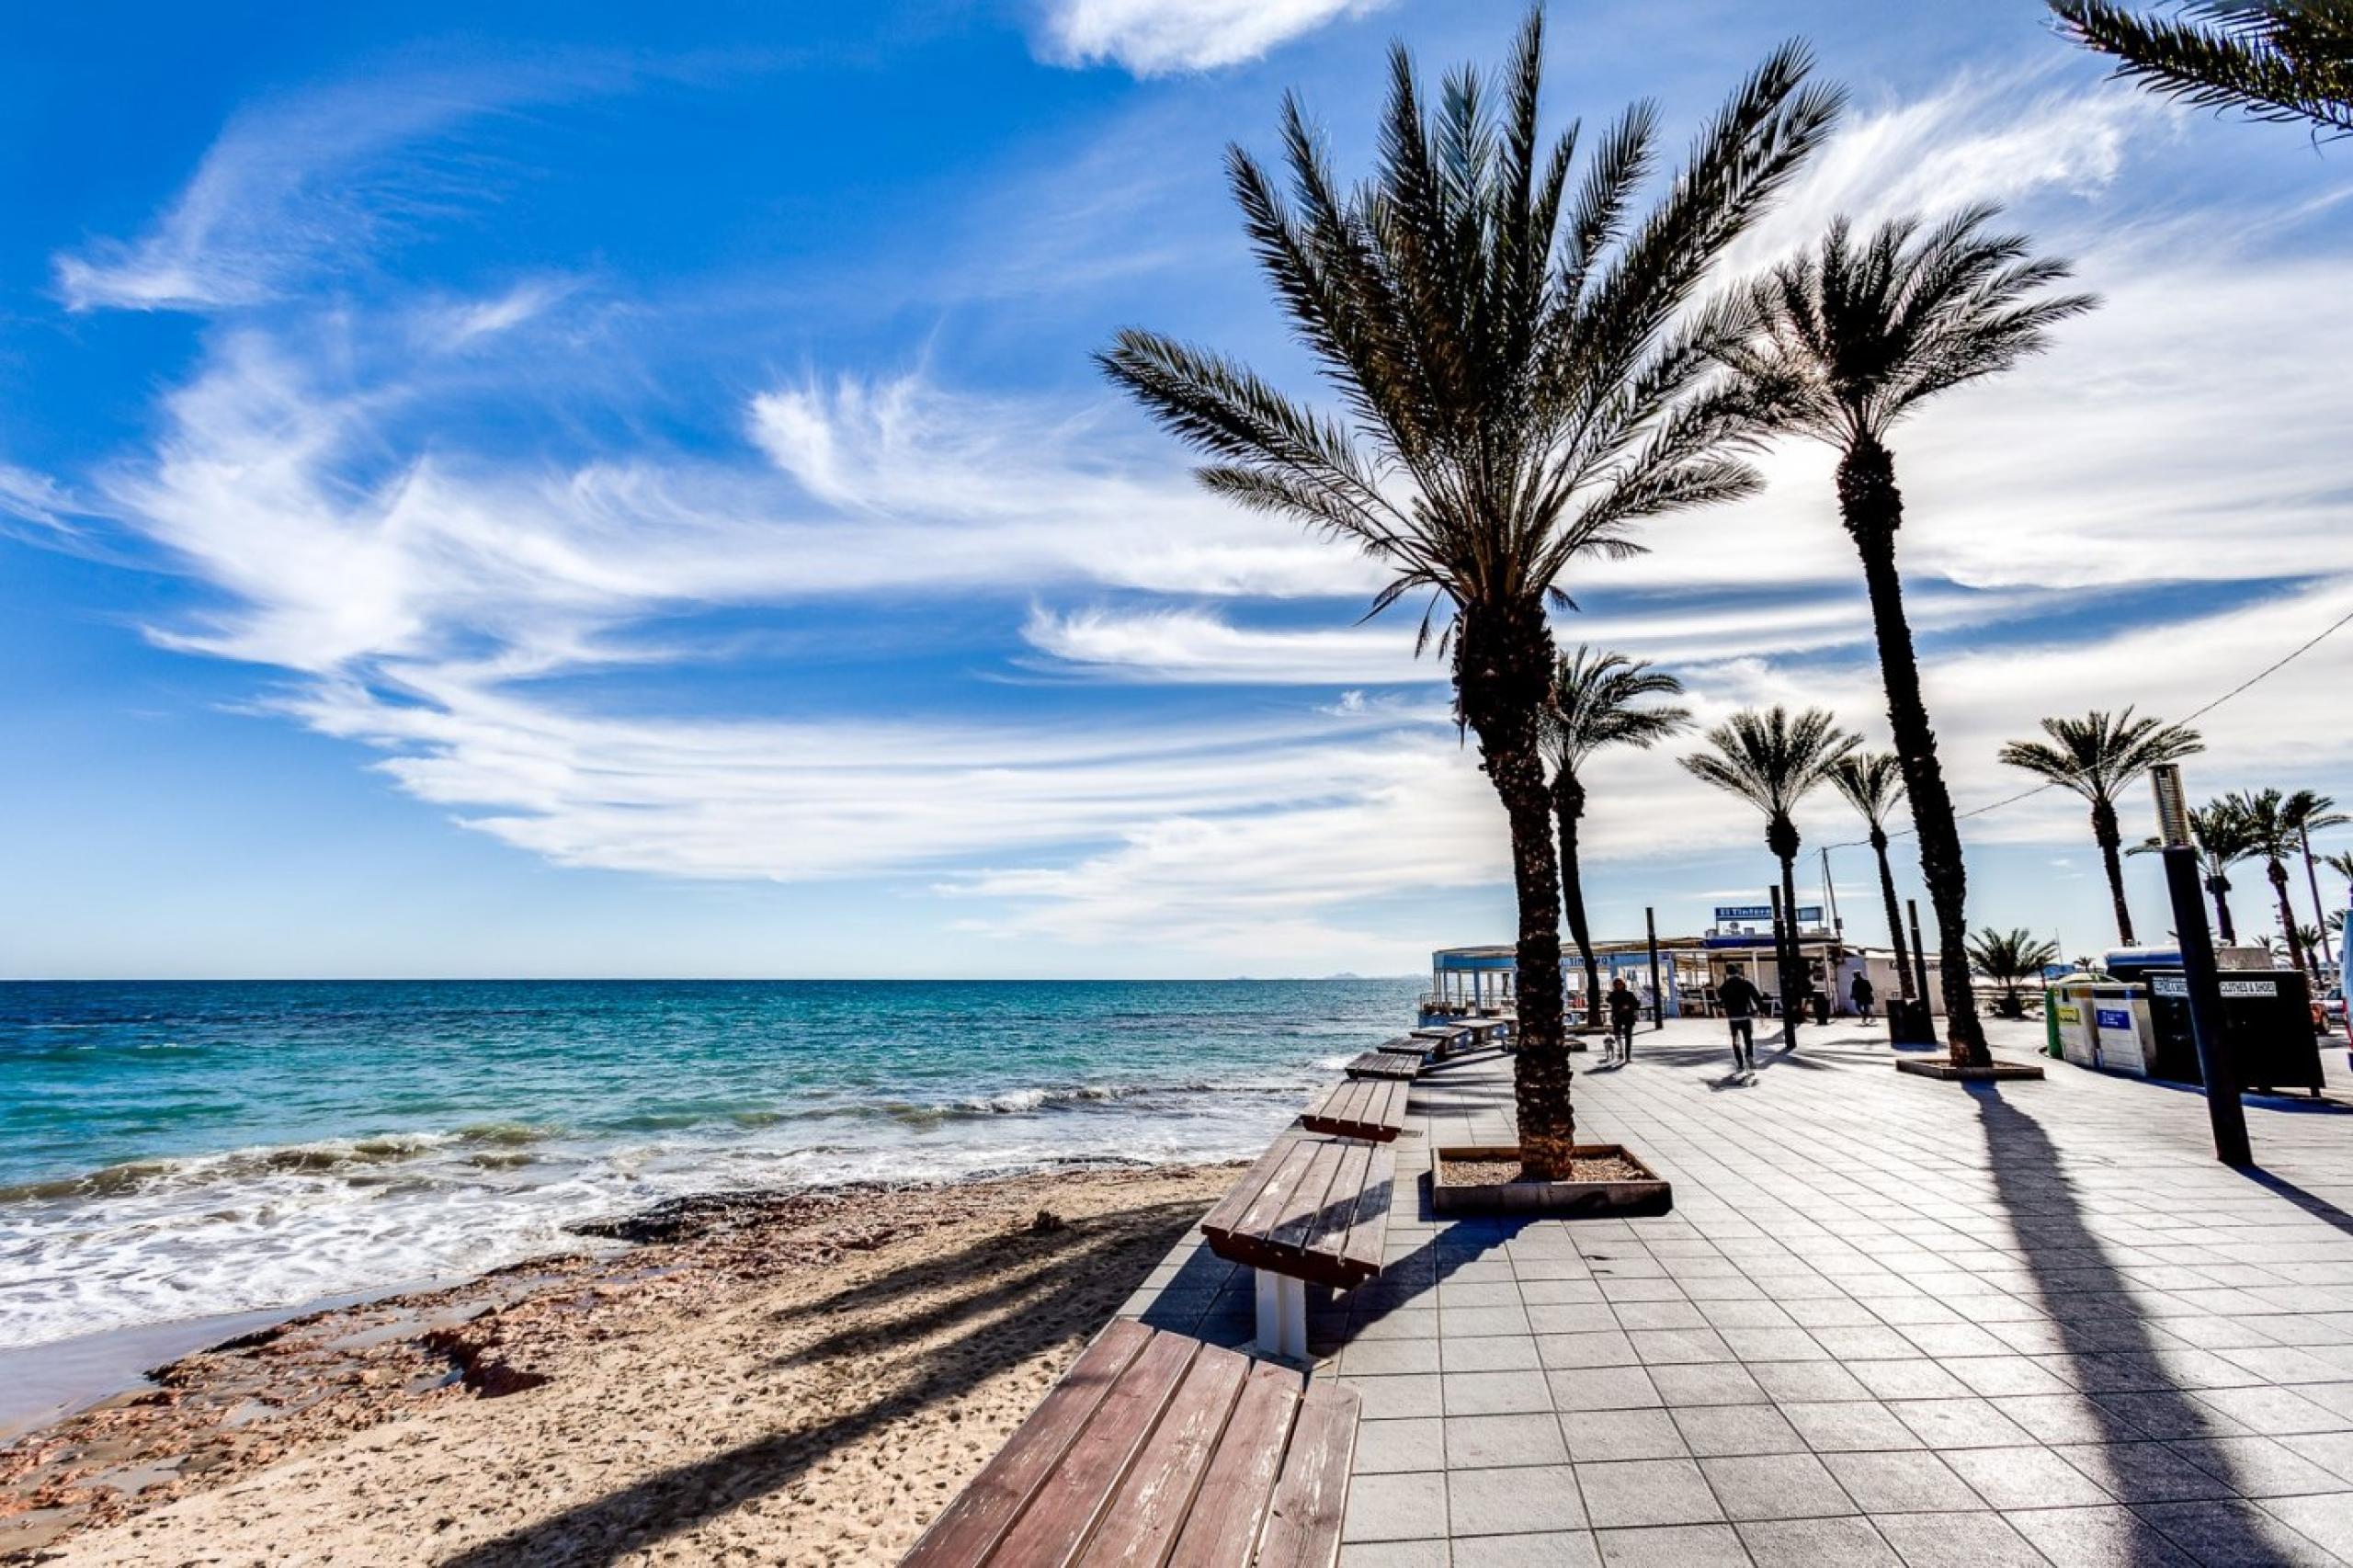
x=618 y=490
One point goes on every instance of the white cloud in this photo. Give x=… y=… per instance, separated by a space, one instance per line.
x=1154 y=37
x=36 y=498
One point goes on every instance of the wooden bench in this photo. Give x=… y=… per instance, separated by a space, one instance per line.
x=1372 y=1108
x=1442 y=1039
x=1314 y=1209
x=1387 y=1063
x=1155 y=1449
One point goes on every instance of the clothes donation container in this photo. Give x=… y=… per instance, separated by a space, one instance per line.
x=2267 y=1027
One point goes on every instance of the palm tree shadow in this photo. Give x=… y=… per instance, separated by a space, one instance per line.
x=2117 y=1356
x=1033 y=1292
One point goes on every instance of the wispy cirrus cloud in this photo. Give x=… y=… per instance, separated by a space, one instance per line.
x=1154 y=37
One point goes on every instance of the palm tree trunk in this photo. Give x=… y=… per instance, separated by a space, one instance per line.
x=1872 y=509
x=1894 y=915
x=2112 y=842
x=1503 y=669
x=2277 y=873
x=2320 y=909
x=1792 y=967
x=1568 y=805
x=2220 y=886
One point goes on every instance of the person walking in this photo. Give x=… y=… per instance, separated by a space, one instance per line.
x=1862 y=994
x=1625 y=1008
x=1740 y=1001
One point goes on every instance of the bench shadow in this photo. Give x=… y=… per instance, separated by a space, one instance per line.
x=1027 y=1292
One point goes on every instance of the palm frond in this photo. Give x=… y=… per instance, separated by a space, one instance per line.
x=2280 y=61
x=1773 y=759
x=1601 y=699
x=1871 y=781
x=2099 y=755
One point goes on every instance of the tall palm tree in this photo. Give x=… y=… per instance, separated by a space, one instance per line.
x=1598 y=700
x=2096 y=757
x=2283 y=61
x=2008 y=959
x=1523 y=381
x=2222 y=841
x=2313 y=812
x=2271 y=836
x=1871 y=781
x=1772 y=761
x=1845 y=342
x=2342 y=864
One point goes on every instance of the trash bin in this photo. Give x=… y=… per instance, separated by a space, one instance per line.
x=2100 y=1023
x=2267 y=1027
x=1910 y=1022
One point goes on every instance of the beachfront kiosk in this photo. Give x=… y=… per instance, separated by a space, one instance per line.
x=1476 y=982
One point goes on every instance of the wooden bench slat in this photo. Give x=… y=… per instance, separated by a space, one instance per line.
x=1312 y=1498
x=1290 y=1158
x=1370 y=1230
x=1372 y=1108
x=1325 y=1229
x=1055 y=1528
x=1238 y=1489
x=1144 y=1519
x=1298 y=1227
x=1227 y=1215
x=971 y=1527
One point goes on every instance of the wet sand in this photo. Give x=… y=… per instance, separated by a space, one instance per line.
x=800 y=1379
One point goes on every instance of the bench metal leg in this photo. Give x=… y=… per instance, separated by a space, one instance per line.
x=1282 y=1315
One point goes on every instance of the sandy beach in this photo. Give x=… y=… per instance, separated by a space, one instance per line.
x=804 y=1379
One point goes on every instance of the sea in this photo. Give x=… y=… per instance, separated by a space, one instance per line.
x=190 y=1150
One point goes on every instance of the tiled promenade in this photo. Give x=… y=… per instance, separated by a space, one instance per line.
x=1889 y=1321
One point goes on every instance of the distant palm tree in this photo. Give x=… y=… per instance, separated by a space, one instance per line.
x=2271 y=835
x=1772 y=761
x=1598 y=700
x=2097 y=756
x=1523 y=379
x=2283 y=61
x=1846 y=341
x=2314 y=813
x=1872 y=781
x=2010 y=959
x=2342 y=864
x=2223 y=842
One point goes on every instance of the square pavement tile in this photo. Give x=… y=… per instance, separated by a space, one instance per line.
x=1568 y=1350
x=1851 y=1542
x=1396 y=1507
x=1384 y=1357
x=1496 y=1393
x=2069 y=1418
x=1679 y=1546
x=1387 y=1445
x=2001 y=1377
x=1711 y=1382
x=1554 y=1549
x=1646 y=1491
x=2260 y=1467
x=1504 y=1353
x=2031 y=1477
x=1807 y=1382
x=1571 y=1317
x=1856 y=1426
x=1913 y=1481
x=1668 y=1345
x=1603 y=1388
x=1465 y=1322
x=1958 y=1422
x=1513 y=1502
x=1715 y=1430
x=1775 y=1486
x=2108 y=1537
x=1866 y=1342
x=2332 y=1450
x=1623 y=1435
x=1915 y=1379
x=1660 y=1314
x=1484 y=1442
x=2276 y=1411
x=1395 y=1398
x=1774 y=1345
x=1395 y=1555
x=1980 y=1539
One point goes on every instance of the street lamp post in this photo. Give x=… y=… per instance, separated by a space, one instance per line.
x=2181 y=855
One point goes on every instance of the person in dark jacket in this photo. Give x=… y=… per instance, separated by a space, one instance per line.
x=1862 y=994
x=1625 y=1009
x=1742 y=1002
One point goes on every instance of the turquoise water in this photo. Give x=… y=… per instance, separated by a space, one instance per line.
x=174 y=1150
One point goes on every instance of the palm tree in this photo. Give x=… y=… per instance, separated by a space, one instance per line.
x=2342 y=864
x=1522 y=383
x=2223 y=842
x=2272 y=834
x=1872 y=780
x=2010 y=958
x=2313 y=812
x=1846 y=341
x=1597 y=702
x=2282 y=61
x=1772 y=760
x=2096 y=755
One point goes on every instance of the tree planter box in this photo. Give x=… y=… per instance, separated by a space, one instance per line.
x=1649 y=1194
x=1950 y=1073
